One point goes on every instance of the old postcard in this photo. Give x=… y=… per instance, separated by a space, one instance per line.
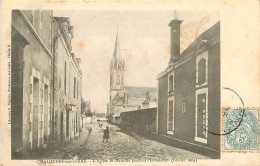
x=130 y=83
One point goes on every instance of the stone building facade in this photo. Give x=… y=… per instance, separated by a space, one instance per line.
x=67 y=83
x=189 y=94
x=31 y=64
x=45 y=82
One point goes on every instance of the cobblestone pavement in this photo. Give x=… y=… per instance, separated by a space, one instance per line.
x=123 y=146
x=70 y=150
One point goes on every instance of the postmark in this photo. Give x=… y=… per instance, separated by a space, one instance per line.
x=238 y=122
x=242 y=126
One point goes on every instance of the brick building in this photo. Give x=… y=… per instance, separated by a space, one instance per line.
x=45 y=82
x=31 y=53
x=67 y=83
x=189 y=94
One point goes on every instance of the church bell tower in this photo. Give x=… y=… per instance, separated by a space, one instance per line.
x=116 y=71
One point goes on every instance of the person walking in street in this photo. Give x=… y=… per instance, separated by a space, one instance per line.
x=106 y=134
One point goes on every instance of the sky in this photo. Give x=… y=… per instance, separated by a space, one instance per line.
x=144 y=38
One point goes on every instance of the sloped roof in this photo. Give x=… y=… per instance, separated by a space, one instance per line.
x=152 y=98
x=136 y=96
x=212 y=33
x=139 y=92
x=118 y=99
x=134 y=102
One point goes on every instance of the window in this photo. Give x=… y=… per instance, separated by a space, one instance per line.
x=171 y=83
x=202 y=71
x=201 y=116
x=183 y=108
x=67 y=122
x=46 y=107
x=118 y=79
x=74 y=87
x=36 y=109
x=65 y=78
x=170 y=119
x=65 y=26
x=76 y=122
x=77 y=90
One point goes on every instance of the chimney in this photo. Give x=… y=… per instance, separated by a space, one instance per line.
x=175 y=38
x=78 y=60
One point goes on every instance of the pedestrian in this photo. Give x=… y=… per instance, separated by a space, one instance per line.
x=106 y=134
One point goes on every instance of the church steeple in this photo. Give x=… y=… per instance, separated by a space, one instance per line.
x=117 y=53
x=117 y=68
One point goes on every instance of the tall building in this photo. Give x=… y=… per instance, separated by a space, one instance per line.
x=31 y=94
x=117 y=68
x=45 y=83
x=189 y=93
x=123 y=98
x=67 y=83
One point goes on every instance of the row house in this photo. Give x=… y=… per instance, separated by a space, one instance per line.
x=67 y=83
x=189 y=93
x=34 y=78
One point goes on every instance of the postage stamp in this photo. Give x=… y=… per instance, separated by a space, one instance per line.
x=241 y=129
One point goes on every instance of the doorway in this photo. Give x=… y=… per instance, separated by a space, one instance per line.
x=61 y=127
x=46 y=101
x=35 y=128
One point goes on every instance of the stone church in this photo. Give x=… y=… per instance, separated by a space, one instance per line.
x=125 y=98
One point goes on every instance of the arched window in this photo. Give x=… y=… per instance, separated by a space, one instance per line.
x=183 y=110
x=118 y=79
x=202 y=71
x=171 y=83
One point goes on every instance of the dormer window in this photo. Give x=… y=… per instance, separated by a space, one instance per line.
x=65 y=24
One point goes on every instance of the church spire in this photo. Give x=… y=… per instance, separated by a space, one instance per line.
x=117 y=54
x=116 y=69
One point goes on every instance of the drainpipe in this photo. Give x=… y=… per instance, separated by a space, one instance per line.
x=55 y=39
x=53 y=62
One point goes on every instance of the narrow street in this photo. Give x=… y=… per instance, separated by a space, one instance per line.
x=119 y=146
x=123 y=146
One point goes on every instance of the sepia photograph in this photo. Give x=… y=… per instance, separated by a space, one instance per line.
x=130 y=83
x=72 y=108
